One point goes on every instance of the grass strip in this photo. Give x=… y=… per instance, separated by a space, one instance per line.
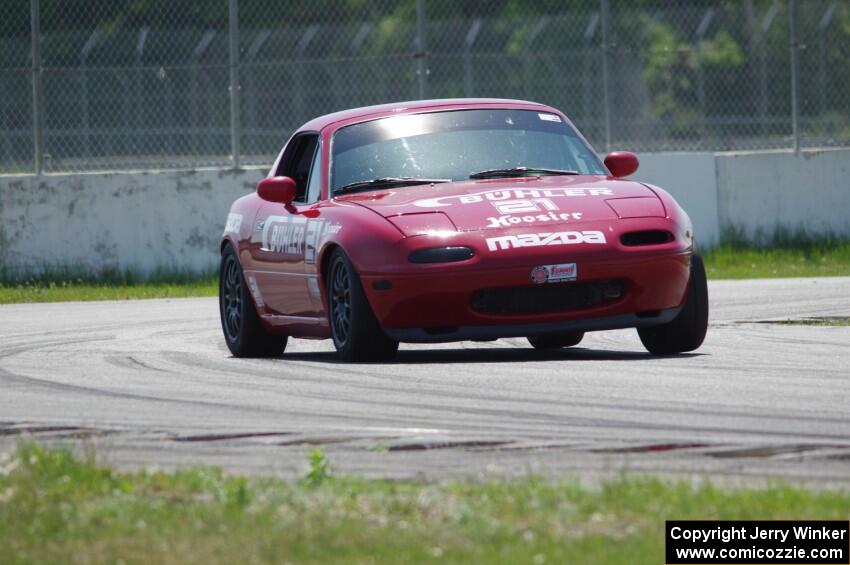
x=67 y=285
x=55 y=506
x=815 y=259
x=67 y=291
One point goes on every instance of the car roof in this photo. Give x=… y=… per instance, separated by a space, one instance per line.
x=371 y=112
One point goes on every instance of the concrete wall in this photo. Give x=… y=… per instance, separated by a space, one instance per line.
x=139 y=221
x=765 y=190
x=172 y=220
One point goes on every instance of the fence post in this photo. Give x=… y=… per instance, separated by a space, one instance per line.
x=84 y=91
x=421 y=66
x=251 y=76
x=528 y=60
x=471 y=36
x=37 y=92
x=702 y=29
x=235 y=125
x=606 y=91
x=823 y=28
x=589 y=96
x=300 y=50
x=139 y=116
x=194 y=64
x=793 y=17
x=761 y=31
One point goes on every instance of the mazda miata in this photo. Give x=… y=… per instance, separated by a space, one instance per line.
x=450 y=220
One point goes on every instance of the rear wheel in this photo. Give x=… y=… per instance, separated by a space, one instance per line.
x=555 y=341
x=356 y=333
x=243 y=332
x=686 y=331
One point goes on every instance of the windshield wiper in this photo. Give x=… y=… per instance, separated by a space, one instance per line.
x=384 y=182
x=519 y=172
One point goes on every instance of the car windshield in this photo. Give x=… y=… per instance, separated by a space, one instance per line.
x=456 y=144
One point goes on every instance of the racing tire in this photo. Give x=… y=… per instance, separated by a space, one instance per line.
x=555 y=341
x=686 y=331
x=243 y=331
x=356 y=333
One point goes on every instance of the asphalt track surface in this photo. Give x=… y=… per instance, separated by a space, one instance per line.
x=150 y=383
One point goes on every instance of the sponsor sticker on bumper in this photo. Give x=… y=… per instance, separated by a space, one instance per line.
x=554 y=273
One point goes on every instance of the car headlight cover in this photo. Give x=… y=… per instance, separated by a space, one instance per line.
x=441 y=255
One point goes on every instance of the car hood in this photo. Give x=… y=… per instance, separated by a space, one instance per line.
x=504 y=203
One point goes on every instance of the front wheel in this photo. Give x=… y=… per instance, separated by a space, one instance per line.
x=356 y=333
x=686 y=331
x=243 y=332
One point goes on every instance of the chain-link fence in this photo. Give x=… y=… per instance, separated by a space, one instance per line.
x=121 y=84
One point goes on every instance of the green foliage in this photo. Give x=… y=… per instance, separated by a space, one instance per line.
x=57 y=507
x=723 y=51
x=320 y=468
x=668 y=71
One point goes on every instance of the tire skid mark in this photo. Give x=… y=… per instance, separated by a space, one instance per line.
x=413 y=406
x=91 y=329
x=328 y=440
x=771 y=451
x=459 y=444
x=131 y=362
x=447 y=392
x=523 y=416
x=542 y=419
x=86 y=390
x=652 y=447
x=58 y=431
x=279 y=377
x=231 y=436
x=14 y=377
x=236 y=407
x=532 y=405
x=17 y=349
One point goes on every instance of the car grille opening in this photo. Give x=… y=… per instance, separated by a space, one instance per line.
x=540 y=299
x=646 y=237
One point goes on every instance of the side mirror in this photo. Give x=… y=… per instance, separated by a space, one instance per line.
x=277 y=189
x=621 y=163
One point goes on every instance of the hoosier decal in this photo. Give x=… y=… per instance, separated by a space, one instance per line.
x=508 y=220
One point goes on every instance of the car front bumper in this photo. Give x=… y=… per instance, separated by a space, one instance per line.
x=434 y=305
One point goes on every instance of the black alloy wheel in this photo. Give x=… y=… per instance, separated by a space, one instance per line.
x=231 y=299
x=340 y=303
x=243 y=331
x=356 y=333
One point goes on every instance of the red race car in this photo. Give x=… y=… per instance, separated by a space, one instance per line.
x=451 y=220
